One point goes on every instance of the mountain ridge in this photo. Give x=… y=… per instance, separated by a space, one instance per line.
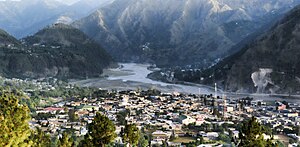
x=270 y=64
x=26 y=17
x=170 y=33
x=58 y=51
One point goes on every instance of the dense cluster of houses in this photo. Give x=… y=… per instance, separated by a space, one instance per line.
x=170 y=113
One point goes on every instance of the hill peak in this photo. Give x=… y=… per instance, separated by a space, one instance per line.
x=58 y=34
x=6 y=38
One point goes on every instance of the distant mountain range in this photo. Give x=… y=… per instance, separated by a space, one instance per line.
x=164 y=32
x=56 y=51
x=270 y=64
x=181 y=32
x=26 y=17
x=232 y=39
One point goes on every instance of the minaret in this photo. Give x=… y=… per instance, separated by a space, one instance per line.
x=215 y=97
x=216 y=90
x=224 y=107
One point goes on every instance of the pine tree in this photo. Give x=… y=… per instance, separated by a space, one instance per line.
x=251 y=135
x=143 y=142
x=131 y=134
x=40 y=138
x=14 y=118
x=65 y=140
x=100 y=132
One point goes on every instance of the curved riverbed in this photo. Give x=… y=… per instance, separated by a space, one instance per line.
x=132 y=76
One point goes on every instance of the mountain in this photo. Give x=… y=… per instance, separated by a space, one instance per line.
x=26 y=17
x=80 y=9
x=270 y=64
x=181 y=32
x=56 y=51
x=6 y=39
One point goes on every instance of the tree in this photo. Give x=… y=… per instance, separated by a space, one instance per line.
x=213 y=102
x=131 y=134
x=153 y=92
x=40 y=138
x=224 y=137
x=143 y=142
x=100 y=132
x=72 y=116
x=206 y=127
x=216 y=112
x=65 y=140
x=14 y=118
x=201 y=140
x=286 y=104
x=121 y=117
x=205 y=101
x=251 y=134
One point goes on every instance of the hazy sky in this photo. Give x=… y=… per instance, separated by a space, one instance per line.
x=68 y=1
x=63 y=1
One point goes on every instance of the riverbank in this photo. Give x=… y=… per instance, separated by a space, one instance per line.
x=134 y=76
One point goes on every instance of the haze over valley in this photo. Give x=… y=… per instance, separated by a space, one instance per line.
x=189 y=40
x=150 y=73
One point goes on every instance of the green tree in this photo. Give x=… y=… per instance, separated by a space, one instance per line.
x=287 y=104
x=216 y=112
x=251 y=134
x=224 y=137
x=14 y=118
x=40 y=138
x=131 y=134
x=65 y=140
x=201 y=140
x=100 y=132
x=121 y=117
x=143 y=142
x=72 y=116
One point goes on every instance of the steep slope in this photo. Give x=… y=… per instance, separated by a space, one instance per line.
x=59 y=51
x=79 y=9
x=6 y=39
x=270 y=64
x=180 y=32
x=20 y=17
x=25 y=17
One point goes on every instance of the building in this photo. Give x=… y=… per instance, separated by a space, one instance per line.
x=186 y=120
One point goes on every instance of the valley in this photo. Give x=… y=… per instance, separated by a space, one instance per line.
x=188 y=38
x=150 y=73
x=134 y=76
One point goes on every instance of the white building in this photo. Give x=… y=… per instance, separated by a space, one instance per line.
x=186 y=120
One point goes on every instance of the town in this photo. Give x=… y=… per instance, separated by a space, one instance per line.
x=172 y=119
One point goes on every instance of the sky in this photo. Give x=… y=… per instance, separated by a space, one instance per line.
x=62 y=1
x=68 y=1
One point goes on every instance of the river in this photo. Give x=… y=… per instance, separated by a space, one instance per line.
x=132 y=76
